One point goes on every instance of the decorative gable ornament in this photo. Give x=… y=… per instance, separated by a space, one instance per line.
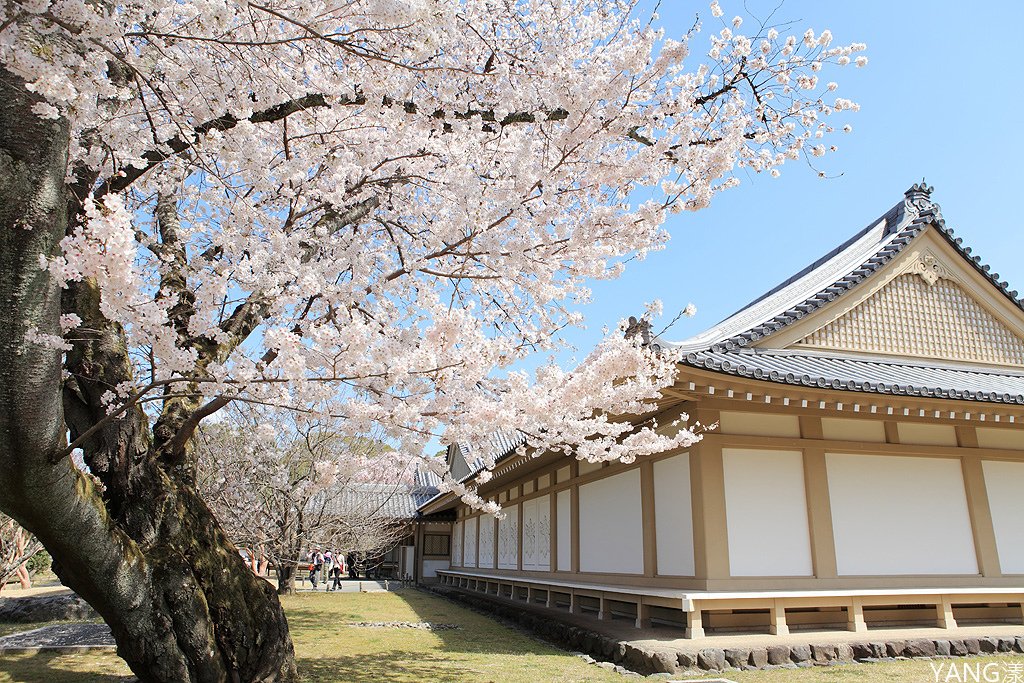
x=930 y=269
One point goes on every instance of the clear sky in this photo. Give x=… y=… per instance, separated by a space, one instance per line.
x=941 y=98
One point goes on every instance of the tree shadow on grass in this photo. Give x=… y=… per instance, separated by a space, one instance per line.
x=477 y=632
x=389 y=665
x=57 y=667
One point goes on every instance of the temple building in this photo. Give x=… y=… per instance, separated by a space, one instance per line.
x=867 y=468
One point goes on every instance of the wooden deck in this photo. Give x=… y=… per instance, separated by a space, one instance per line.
x=930 y=604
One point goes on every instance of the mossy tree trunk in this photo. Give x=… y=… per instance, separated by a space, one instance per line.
x=135 y=540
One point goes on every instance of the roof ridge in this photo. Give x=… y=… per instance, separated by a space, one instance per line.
x=882 y=359
x=902 y=224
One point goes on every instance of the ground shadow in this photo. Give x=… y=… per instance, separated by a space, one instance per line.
x=56 y=667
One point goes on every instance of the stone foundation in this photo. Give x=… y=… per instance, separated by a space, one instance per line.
x=646 y=661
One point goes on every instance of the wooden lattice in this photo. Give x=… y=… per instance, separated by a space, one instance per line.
x=910 y=317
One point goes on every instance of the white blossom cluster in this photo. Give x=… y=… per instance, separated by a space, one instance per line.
x=411 y=194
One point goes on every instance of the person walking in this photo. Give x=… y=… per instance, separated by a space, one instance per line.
x=337 y=570
x=328 y=567
x=316 y=563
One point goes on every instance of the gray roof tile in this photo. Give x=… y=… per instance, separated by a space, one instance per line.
x=721 y=348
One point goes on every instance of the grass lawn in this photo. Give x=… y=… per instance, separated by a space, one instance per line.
x=329 y=649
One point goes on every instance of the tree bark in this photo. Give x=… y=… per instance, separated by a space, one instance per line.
x=134 y=538
x=286 y=578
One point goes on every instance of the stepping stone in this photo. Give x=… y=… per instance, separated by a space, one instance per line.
x=59 y=637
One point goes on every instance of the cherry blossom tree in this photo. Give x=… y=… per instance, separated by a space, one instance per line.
x=370 y=210
x=280 y=484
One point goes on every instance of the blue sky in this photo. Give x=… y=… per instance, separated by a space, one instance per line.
x=940 y=98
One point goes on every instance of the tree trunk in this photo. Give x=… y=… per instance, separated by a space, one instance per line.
x=285 y=578
x=143 y=548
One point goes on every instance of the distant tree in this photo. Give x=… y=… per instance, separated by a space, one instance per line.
x=280 y=485
x=17 y=548
x=371 y=209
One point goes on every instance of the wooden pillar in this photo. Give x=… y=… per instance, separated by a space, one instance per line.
x=574 y=602
x=519 y=531
x=778 y=627
x=892 y=431
x=650 y=536
x=550 y=598
x=574 y=510
x=602 y=608
x=855 y=617
x=819 y=507
x=977 y=505
x=944 y=613
x=553 y=526
x=707 y=491
x=643 y=614
x=694 y=624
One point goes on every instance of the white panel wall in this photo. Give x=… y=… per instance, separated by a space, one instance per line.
x=1000 y=438
x=430 y=567
x=508 y=538
x=1005 y=484
x=766 y=513
x=899 y=515
x=537 y=534
x=563 y=539
x=758 y=424
x=485 y=559
x=673 y=516
x=457 y=545
x=925 y=434
x=469 y=543
x=611 y=531
x=843 y=429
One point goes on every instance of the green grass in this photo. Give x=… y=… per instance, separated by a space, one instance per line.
x=481 y=650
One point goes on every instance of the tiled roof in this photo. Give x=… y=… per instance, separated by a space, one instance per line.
x=870 y=374
x=724 y=348
x=501 y=444
x=388 y=501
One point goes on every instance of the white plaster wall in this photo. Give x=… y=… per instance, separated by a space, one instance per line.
x=485 y=554
x=896 y=515
x=1005 y=484
x=563 y=537
x=843 y=429
x=508 y=538
x=927 y=434
x=766 y=513
x=758 y=424
x=989 y=437
x=469 y=543
x=430 y=567
x=611 y=531
x=537 y=534
x=457 y=545
x=673 y=516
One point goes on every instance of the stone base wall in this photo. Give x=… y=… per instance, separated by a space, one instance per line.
x=645 y=660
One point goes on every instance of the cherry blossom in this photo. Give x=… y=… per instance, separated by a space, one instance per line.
x=376 y=211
